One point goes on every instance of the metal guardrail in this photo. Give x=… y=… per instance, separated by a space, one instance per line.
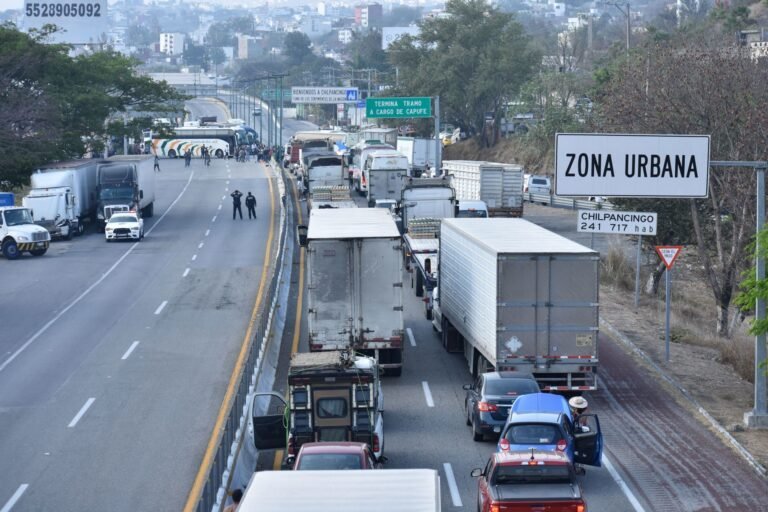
x=234 y=426
x=567 y=202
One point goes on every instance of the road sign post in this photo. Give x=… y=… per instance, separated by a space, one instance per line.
x=668 y=254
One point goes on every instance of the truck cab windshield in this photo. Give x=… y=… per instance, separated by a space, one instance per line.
x=18 y=217
x=120 y=193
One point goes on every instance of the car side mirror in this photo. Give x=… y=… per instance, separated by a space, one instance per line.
x=290 y=461
x=476 y=472
x=467 y=386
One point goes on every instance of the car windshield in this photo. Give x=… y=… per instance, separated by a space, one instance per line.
x=329 y=461
x=532 y=475
x=464 y=214
x=123 y=218
x=538 y=181
x=533 y=433
x=515 y=387
x=18 y=217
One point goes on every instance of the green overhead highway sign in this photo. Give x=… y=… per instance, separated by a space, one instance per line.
x=274 y=95
x=398 y=107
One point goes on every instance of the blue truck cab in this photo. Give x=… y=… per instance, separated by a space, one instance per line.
x=543 y=421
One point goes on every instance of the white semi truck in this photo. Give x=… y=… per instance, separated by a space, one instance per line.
x=355 y=284
x=424 y=203
x=513 y=296
x=19 y=233
x=125 y=183
x=499 y=186
x=384 y=171
x=401 y=490
x=63 y=196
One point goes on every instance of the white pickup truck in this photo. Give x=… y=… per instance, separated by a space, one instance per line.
x=19 y=233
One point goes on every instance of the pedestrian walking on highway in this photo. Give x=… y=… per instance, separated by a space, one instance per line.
x=187 y=158
x=236 y=208
x=237 y=495
x=250 y=203
x=157 y=163
x=300 y=188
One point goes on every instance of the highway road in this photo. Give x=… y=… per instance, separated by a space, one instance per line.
x=653 y=461
x=114 y=358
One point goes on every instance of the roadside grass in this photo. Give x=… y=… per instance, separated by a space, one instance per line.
x=693 y=309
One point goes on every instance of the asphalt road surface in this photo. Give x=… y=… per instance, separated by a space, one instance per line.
x=657 y=457
x=114 y=358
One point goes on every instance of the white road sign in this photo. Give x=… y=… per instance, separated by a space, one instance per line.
x=621 y=223
x=324 y=94
x=613 y=165
x=83 y=21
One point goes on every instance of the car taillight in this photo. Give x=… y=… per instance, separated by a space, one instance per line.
x=376 y=442
x=495 y=508
x=504 y=444
x=486 y=407
x=560 y=445
x=581 y=508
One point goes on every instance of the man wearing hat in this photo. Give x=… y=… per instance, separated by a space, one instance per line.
x=578 y=405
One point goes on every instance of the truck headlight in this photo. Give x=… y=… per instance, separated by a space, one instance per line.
x=23 y=238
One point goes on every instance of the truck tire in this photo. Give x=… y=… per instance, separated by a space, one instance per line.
x=38 y=252
x=477 y=437
x=70 y=232
x=11 y=250
x=172 y=153
x=427 y=312
x=395 y=372
x=219 y=153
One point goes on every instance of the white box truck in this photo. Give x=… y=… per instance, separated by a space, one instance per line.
x=499 y=186
x=63 y=196
x=515 y=296
x=420 y=153
x=355 y=284
x=384 y=170
x=389 y=490
x=125 y=182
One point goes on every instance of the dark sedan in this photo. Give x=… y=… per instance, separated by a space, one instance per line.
x=490 y=397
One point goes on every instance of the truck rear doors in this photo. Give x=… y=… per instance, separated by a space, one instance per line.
x=330 y=299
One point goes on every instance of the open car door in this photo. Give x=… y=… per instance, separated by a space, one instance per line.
x=588 y=449
x=269 y=426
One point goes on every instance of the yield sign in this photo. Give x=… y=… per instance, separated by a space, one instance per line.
x=668 y=254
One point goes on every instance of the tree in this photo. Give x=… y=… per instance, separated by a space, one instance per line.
x=401 y=16
x=695 y=84
x=297 y=47
x=475 y=59
x=55 y=107
x=366 y=53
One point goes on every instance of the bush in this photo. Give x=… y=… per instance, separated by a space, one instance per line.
x=740 y=354
x=616 y=269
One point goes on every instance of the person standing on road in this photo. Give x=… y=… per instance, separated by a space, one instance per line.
x=187 y=158
x=237 y=495
x=236 y=208
x=578 y=405
x=250 y=203
x=157 y=163
x=300 y=187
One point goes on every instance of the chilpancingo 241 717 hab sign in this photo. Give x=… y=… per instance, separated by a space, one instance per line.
x=620 y=223
x=591 y=164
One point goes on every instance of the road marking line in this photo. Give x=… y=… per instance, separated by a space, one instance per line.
x=227 y=182
x=207 y=232
x=223 y=197
x=455 y=496
x=94 y=285
x=80 y=414
x=410 y=337
x=219 y=207
x=427 y=393
x=200 y=246
x=161 y=307
x=214 y=218
x=186 y=273
x=197 y=485
x=226 y=189
x=130 y=350
x=277 y=465
x=16 y=496
x=194 y=257
x=622 y=485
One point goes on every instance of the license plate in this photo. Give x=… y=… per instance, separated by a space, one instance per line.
x=39 y=244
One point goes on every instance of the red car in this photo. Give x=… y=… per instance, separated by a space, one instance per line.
x=330 y=455
x=529 y=481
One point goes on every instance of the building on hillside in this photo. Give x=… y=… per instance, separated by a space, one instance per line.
x=172 y=43
x=316 y=26
x=345 y=36
x=369 y=16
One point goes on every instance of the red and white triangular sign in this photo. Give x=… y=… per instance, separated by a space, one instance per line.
x=668 y=254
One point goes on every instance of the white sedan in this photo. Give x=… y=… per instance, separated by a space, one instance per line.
x=124 y=225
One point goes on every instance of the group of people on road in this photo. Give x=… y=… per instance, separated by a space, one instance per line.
x=250 y=203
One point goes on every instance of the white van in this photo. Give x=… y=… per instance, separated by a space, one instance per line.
x=536 y=184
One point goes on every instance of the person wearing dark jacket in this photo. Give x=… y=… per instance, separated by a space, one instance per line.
x=236 y=208
x=250 y=203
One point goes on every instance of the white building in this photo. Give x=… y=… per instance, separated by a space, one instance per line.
x=345 y=36
x=172 y=43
